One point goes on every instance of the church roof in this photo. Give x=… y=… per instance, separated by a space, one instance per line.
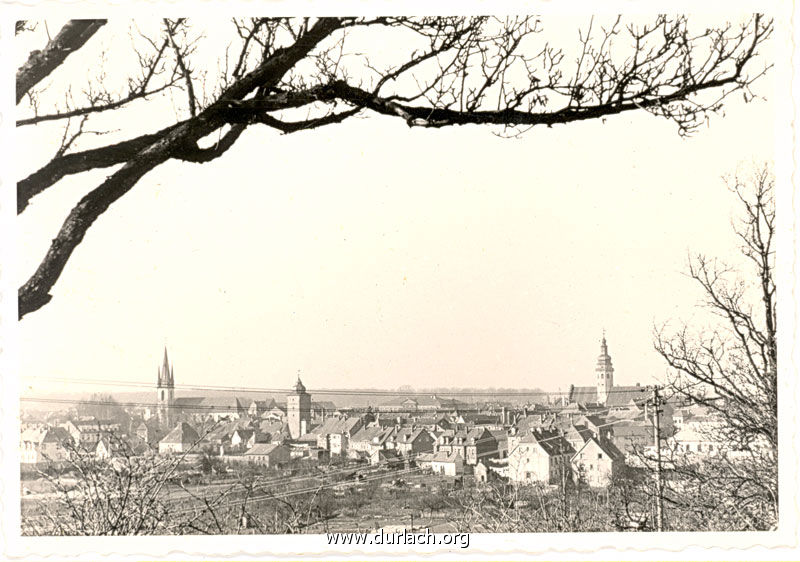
x=583 y=394
x=623 y=395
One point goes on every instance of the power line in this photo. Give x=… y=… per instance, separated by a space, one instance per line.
x=330 y=391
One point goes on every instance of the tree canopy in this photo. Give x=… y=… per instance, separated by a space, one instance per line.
x=297 y=74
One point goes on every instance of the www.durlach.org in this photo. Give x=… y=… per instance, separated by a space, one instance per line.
x=401 y=538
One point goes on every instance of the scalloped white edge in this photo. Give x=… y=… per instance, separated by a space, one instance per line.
x=781 y=544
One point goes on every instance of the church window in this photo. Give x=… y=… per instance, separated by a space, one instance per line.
x=162 y=394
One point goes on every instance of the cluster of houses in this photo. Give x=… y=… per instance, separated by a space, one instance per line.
x=589 y=434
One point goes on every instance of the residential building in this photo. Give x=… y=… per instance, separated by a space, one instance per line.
x=39 y=445
x=268 y=454
x=385 y=457
x=597 y=462
x=180 y=440
x=334 y=433
x=447 y=463
x=86 y=433
x=410 y=442
x=474 y=444
x=539 y=456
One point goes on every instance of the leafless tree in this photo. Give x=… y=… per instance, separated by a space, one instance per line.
x=122 y=495
x=292 y=75
x=731 y=369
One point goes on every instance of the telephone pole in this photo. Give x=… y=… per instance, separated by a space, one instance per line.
x=657 y=441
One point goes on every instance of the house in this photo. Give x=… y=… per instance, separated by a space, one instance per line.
x=147 y=431
x=440 y=422
x=86 y=433
x=501 y=436
x=104 y=449
x=369 y=439
x=482 y=473
x=243 y=439
x=334 y=433
x=632 y=436
x=472 y=444
x=273 y=431
x=258 y=407
x=699 y=436
x=424 y=460
x=577 y=435
x=180 y=440
x=447 y=463
x=540 y=456
x=268 y=454
x=386 y=457
x=411 y=442
x=276 y=413
x=45 y=445
x=597 y=462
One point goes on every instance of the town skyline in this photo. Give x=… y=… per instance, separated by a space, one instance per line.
x=43 y=385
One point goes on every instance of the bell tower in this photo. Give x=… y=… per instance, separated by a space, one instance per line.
x=165 y=392
x=604 y=372
x=298 y=410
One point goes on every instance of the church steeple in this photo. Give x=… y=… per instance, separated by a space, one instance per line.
x=604 y=372
x=165 y=373
x=165 y=391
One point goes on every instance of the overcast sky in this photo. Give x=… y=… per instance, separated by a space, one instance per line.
x=369 y=254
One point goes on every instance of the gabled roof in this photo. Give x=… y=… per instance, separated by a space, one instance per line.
x=41 y=435
x=262 y=449
x=274 y=427
x=387 y=454
x=337 y=425
x=444 y=456
x=367 y=433
x=182 y=433
x=577 y=433
x=411 y=435
x=604 y=445
x=550 y=441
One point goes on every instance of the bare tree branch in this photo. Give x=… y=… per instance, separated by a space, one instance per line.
x=40 y=64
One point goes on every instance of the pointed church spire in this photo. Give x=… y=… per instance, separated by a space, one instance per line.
x=165 y=372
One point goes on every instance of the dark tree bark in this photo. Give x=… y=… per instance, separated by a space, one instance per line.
x=41 y=63
x=458 y=71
